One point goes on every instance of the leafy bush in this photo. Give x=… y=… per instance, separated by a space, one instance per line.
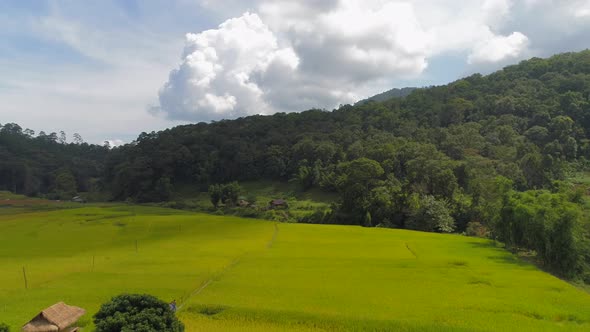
x=218 y=212
x=275 y=215
x=136 y=313
x=215 y=194
x=230 y=193
x=225 y=193
x=318 y=217
x=4 y=328
x=475 y=228
x=431 y=215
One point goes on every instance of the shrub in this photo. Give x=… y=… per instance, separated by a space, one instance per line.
x=431 y=215
x=179 y=205
x=136 y=313
x=215 y=194
x=247 y=212
x=318 y=217
x=230 y=193
x=4 y=328
x=275 y=215
x=218 y=212
x=475 y=228
x=251 y=199
x=385 y=223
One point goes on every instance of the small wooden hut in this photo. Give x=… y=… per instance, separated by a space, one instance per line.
x=278 y=203
x=243 y=201
x=58 y=317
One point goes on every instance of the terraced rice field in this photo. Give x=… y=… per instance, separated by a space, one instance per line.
x=232 y=274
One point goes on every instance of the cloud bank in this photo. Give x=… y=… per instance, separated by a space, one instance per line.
x=290 y=56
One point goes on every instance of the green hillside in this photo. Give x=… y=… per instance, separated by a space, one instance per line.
x=390 y=94
x=243 y=274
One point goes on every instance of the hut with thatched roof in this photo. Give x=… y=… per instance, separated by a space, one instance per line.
x=278 y=203
x=58 y=317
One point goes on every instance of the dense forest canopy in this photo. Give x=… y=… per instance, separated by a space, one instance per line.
x=483 y=154
x=47 y=164
x=528 y=123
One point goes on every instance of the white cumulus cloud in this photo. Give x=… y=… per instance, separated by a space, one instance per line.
x=291 y=57
x=114 y=142
x=215 y=78
x=295 y=55
x=499 y=48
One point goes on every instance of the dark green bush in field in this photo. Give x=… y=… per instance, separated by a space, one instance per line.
x=136 y=313
x=4 y=328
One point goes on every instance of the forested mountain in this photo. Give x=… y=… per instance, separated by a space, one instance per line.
x=484 y=154
x=393 y=93
x=528 y=123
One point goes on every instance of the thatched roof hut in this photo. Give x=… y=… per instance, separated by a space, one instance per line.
x=58 y=317
x=275 y=203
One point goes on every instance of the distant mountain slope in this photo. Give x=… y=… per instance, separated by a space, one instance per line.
x=393 y=93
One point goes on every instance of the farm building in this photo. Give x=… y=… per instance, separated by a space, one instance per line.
x=78 y=199
x=278 y=203
x=242 y=201
x=58 y=317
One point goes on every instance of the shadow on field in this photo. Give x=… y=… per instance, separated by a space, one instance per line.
x=501 y=255
x=289 y=320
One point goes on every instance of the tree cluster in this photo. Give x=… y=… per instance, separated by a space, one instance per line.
x=48 y=165
x=136 y=313
x=227 y=194
x=549 y=224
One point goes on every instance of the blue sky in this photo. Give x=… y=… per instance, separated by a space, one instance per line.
x=112 y=69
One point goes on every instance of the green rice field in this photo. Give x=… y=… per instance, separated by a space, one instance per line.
x=234 y=274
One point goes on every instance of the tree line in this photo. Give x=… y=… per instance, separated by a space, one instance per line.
x=47 y=165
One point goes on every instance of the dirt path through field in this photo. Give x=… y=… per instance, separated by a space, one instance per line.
x=274 y=237
x=411 y=251
x=220 y=273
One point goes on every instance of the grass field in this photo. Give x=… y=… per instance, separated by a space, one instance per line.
x=233 y=274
